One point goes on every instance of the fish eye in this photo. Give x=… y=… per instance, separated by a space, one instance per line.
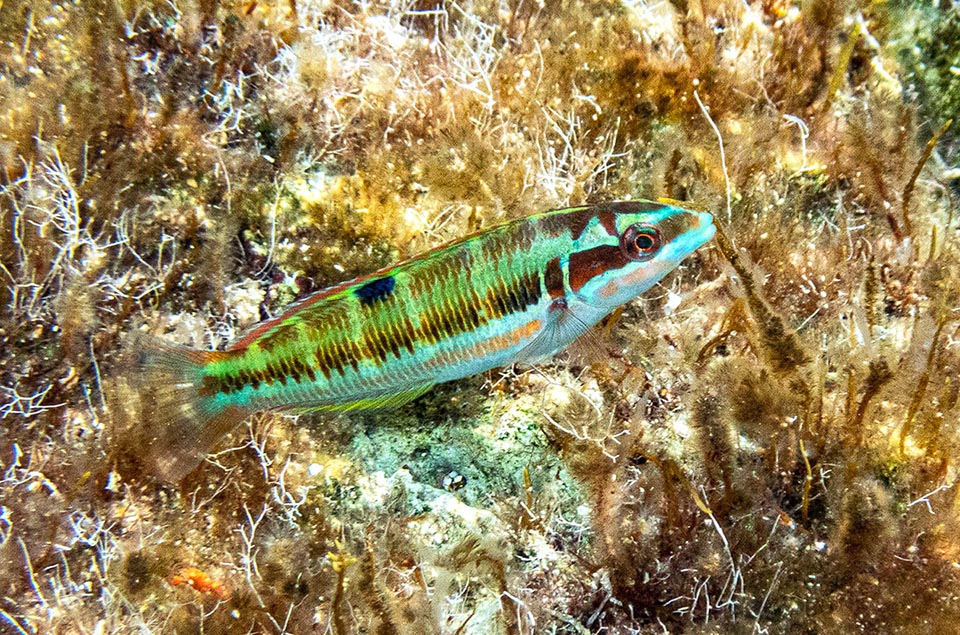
x=640 y=242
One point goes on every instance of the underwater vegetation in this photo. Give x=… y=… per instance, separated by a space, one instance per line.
x=766 y=442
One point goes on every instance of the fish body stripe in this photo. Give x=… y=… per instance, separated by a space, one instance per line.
x=460 y=309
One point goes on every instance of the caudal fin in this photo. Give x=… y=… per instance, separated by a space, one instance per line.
x=178 y=423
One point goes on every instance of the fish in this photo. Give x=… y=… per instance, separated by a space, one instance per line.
x=518 y=292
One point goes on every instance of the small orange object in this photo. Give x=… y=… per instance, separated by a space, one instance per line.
x=785 y=519
x=201 y=582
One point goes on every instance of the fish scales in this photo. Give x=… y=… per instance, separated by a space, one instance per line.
x=517 y=292
x=441 y=292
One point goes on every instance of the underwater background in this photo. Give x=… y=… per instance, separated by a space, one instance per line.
x=766 y=442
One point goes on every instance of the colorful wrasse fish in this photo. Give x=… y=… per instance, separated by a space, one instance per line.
x=518 y=292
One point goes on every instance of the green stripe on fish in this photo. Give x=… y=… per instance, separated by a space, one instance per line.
x=517 y=292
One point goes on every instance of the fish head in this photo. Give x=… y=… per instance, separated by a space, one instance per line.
x=627 y=247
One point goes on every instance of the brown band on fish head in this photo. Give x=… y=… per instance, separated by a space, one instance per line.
x=590 y=263
x=574 y=221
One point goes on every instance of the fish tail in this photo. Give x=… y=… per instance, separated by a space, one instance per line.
x=179 y=422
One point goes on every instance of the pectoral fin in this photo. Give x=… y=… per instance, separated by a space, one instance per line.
x=562 y=327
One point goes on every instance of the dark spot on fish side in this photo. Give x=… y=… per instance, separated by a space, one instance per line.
x=375 y=290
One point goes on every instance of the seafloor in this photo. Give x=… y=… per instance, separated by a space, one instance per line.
x=767 y=442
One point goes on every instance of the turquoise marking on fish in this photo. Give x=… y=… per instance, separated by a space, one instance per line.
x=518 y=292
